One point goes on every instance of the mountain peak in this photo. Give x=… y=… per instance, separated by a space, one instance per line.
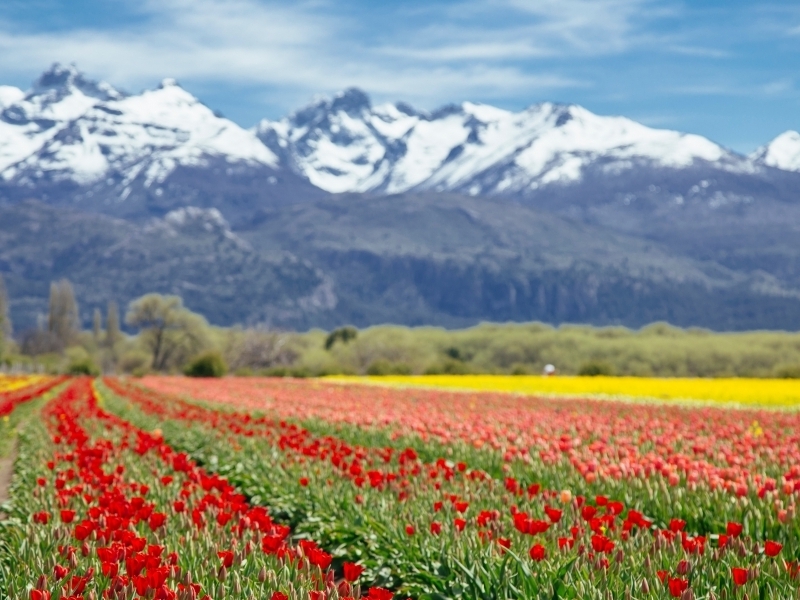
x=10 y=95
x=168 y=82
x=352 y=101
x=61 y=80
x=782 y=153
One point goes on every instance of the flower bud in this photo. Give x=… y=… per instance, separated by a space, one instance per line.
x=41 y=583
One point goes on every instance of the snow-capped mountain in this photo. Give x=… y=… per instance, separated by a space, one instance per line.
x=604 y=220
x=9 y=95
x=344 y=144
x=782 y=153
x=68 y=128
x=70 y=139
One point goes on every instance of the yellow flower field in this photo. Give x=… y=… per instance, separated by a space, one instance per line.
x=9 y=383
x=765 y=392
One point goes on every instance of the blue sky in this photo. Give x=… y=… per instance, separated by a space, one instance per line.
x=727 y=70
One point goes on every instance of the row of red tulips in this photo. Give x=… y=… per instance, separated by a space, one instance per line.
x=104 y=509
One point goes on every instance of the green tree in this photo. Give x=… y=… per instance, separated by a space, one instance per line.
x=63 y=321
x=208 y=364
x=343 y=334
x=170 y=332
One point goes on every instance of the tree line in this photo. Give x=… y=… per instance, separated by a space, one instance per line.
x=165 y=336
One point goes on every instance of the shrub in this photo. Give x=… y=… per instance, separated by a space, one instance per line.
x=209 y=364
x=520 y=369
x=788 y=372
x=593 y=368
x=135 y=361
x=387 y=367
x=275 y=372
x=448 y=367
x=83 y=366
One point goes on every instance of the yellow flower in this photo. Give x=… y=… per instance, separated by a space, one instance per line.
x=777 y=393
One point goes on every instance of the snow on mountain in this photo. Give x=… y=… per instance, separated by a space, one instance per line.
x=345 y=144
x=782 y=153
x=70 y=128
x=9 y=95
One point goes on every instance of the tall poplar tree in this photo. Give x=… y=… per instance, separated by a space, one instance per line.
x=6 y=330
x=97 y=325
x=113 y=334
x=63 y=321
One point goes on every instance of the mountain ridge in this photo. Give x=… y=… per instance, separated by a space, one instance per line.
x=449 y=217
x=62 y=129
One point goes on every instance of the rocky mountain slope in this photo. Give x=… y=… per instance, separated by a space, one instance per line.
x=413 y=259
x=190 y=252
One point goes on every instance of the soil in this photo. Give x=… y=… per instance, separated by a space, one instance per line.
x=6 y=472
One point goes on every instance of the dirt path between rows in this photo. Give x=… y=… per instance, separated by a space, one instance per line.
x=6 y=472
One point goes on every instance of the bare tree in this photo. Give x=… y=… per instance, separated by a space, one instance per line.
x=258 y=349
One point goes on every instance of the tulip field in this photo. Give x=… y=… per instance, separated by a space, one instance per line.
x=249 y=488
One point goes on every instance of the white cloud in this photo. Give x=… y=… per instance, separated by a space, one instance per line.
x=592 y=26
x=300 y=45
x=230 y=40
x=699 y=51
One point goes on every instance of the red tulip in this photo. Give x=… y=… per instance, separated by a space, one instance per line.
x=739 y=575
x=537 y=552
x=677 y=525
x=677 y=586
x=377 y=593
x=226 y=556
x=733 y=529
x=436 y=528
x=772 y=549
x=553 y=514
x=156 y=520
x=409 y=530
x=352 y=571
x=67 y=516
